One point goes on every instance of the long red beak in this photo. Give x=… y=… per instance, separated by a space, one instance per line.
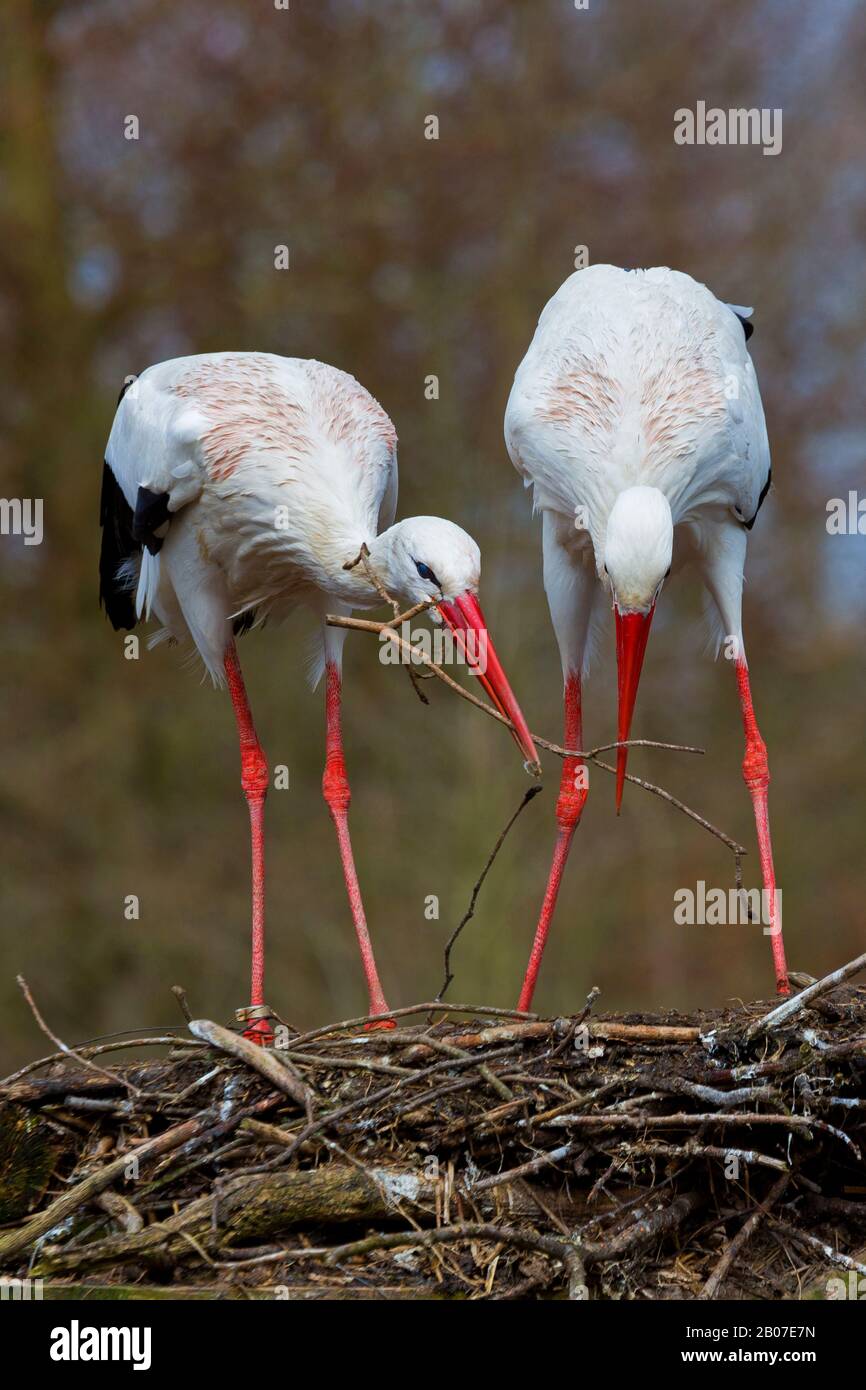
x=632 y=631
x=466 y=620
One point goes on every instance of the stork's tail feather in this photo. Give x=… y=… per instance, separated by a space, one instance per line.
x=119 y=546
x=148 y=584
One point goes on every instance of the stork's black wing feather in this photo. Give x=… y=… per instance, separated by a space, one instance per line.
x=150 y=517
x=118 y=544
x=748 y=326
x=243 y=622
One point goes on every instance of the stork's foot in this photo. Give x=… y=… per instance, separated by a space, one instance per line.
x=260 y=1033
x=378 y=1005
x=258 y=1029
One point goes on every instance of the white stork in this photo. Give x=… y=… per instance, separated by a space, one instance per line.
x=237 y=485
x=635 y=417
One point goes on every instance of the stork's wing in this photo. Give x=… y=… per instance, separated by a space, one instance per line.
x=746 y=423
x=155 y=440
x=153 y=467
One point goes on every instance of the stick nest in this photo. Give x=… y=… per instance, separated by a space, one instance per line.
x=623 y=1157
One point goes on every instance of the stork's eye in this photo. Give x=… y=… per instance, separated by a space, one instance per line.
x=426 y=573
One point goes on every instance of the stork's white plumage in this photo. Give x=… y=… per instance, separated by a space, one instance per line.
x=237 y=485
x=636 y=419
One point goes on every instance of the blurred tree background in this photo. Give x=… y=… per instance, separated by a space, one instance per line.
x=260 y=126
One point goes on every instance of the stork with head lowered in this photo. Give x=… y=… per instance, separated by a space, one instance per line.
x=636 y=419
x=239 y=485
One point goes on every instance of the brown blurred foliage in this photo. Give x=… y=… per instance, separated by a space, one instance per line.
x=260 y=126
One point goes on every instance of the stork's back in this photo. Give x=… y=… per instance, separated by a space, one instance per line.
x=632 y=379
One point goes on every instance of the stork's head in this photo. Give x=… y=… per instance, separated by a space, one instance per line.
x=638 y=546
x=428 y=558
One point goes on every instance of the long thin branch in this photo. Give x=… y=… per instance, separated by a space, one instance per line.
x=833 y=1257
x=588 y=754
x=525 y=1170
x=387 y=629
x=114 y=1077
x=382 y=1039
x=80 y=1053
x=470 y=911
x=694 y=1149
x=736 y=849
x=800 y=1123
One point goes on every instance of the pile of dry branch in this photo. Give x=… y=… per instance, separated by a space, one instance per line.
x=506 y=1157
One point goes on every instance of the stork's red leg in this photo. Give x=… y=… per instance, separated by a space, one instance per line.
x=254 y=780
x=569 y=805
x=337 y=793
x=756 y=774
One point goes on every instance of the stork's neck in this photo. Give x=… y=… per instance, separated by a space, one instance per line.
x=381 y=562
x=354 y=585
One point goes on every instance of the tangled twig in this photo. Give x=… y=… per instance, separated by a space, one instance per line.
x=470 y=911
x=591 y=755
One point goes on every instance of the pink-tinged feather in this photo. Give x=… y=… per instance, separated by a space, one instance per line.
x=247 y=408
x=345 y=408
x=584 y=394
